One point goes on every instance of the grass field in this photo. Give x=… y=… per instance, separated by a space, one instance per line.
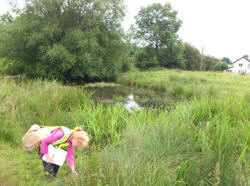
x=203 y=140
x=186 y=84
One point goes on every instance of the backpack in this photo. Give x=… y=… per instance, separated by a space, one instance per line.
x=31 y=140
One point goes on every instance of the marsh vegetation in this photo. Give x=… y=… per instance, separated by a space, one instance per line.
x=203 y=140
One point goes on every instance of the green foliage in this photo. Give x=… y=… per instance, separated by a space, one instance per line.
x=192 y=57
x=220 y=66
x=146 y=58
x=209 y=62
x=157 y=27
x=129 y=60
x=66 y=40
x=3 y=65
x=6 y=18
x=172 y=56
x=10 y=67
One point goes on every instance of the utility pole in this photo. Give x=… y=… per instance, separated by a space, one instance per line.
x=201 y=58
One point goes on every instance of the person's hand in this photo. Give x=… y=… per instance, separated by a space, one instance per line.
x=74 y=171
x=48 y=158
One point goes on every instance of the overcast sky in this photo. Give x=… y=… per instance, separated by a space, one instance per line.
x=222 y=27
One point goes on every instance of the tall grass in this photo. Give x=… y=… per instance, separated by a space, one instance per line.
x=196 y=144
x=202 y=141
x=187 y=84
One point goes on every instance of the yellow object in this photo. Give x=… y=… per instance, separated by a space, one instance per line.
x=60 y=143
x=36 y=133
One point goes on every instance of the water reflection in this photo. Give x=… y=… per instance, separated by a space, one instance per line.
x=131 y=105
x=130 y=97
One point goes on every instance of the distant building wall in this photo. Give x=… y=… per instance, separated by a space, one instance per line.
x=241 y=66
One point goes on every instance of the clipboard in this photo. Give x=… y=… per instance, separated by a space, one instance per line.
x=58 y=156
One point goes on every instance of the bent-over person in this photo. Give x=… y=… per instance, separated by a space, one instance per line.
x=61 y=138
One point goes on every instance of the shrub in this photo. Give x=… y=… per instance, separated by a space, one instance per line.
x=146 y=58
x=220 y=66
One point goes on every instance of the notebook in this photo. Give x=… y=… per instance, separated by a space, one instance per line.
x=58 y=156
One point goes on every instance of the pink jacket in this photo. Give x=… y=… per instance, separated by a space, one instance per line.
x=57 y=134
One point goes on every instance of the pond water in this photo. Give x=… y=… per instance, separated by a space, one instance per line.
x=131 y=97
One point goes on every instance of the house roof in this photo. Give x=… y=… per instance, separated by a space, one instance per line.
x=244 y=57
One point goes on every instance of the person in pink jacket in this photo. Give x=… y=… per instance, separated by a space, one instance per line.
x=62 y=137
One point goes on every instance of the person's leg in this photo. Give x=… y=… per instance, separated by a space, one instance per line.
x=50 y=168
x=55 y=169
x=46 y=166
x=47 y=169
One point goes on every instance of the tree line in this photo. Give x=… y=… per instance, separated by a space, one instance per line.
x=72 y=40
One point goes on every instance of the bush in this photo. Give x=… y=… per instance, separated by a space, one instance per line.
x=11 y=67
x=67 y=46
x=146 y=58
x=221 y=66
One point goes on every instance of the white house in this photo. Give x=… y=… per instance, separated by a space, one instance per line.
x=240 y=66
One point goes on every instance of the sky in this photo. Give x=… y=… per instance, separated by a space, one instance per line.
x=222 y=27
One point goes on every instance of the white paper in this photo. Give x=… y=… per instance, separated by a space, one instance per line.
x=58 y=156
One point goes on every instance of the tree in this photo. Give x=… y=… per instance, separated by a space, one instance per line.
x=227 y=60
x=209 y=62
x=67 y=39
x=157 y=27
x=192 y=57
x=146 y=58
x=220 y=66
x=6 y=18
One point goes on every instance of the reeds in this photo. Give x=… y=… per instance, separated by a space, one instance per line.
x=201 y=141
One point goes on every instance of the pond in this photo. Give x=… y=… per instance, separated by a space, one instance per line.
x=130 y=96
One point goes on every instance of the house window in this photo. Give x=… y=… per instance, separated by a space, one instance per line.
x=240 y=65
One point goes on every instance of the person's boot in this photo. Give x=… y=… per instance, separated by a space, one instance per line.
x=55 y=169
